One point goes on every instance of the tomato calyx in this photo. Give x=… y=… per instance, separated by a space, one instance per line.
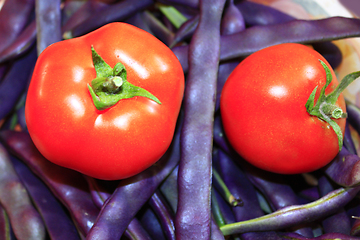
x=325 y=107
x=111 y=85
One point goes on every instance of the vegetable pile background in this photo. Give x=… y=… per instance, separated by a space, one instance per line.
x=200 y=188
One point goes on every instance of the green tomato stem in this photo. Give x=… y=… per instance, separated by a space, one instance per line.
x=111 y=85
x=325 y=107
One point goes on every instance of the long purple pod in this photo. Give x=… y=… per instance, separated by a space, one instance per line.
x=118 y=211
x=158 y=29
x=296 y=214
x=57 y=221
x=348 y=141
x=344 y=169
x=255 y=38
x=151 y=224
x=25 y=220
x=48 y=23
x=326 y=236
x=69 y=186
x=21 y=44
x=117 y=12
x=100 y=195
x=14 y=16
x=193 y=216
x=233 y=20
x=164 y=214
x=338 y=222
x=260 y=14
x=88 y=8
x=14 y=84
x=186 y=30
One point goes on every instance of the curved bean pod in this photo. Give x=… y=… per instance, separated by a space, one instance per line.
x=57 y=221
x=48 y=22
x=193 y=216
x=15 y=82
x=117 y=12
x=14 y=16
x=69 y=186
x=25 y=219
x=152 y=225
x=232 y=20
x=296 y=214
x=185 y=31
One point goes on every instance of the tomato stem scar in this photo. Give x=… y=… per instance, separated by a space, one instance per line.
x=325 y=107
x=111 y=85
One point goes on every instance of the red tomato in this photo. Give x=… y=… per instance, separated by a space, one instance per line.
x=264 y=114
x=117 y=142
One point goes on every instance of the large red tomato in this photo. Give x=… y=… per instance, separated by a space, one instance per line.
x=263 y=109
x=118 y=140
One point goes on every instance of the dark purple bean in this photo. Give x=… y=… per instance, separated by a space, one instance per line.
x=193 y=216
x=353 y=115
x=118 y=211
x=116 y=12
x=21 y=45
x=296 y=214
x=344 y=169
x=138 y=21
x=85 y=11
x=348 y=141
x=164 y=214
x=57 y=221
x=169 y=189
x=48 y=23
x=14 y=16
x=15 y=82
x=158 y=28
x=67 y=185
x=330 y=52
x=25 y=220
x=233 y=20
x=338 y=222
x=298 y=31
x=185 y=31
x=187 y=3
x=310 y=194
x=181 y=53
x=260 y=14
x=151 y=224
x=135 y=231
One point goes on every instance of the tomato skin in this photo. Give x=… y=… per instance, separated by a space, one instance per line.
x=118 y=142
x=263 y=110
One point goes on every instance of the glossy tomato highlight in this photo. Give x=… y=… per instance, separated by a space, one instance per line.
x=119 y=140
x=264 y=114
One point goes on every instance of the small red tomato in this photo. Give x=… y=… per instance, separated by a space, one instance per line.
x=266 y=116
x=106 y=103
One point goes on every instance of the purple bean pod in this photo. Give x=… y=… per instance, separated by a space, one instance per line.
x=185 y=31
x=25 y=220
x=67 y=185
x=295 y=215
x=151 y=224
x=82 y=13
x=187 y=3
x=344 y=169
x=260 y=14
x=164 y=214
x=14 y=83
x=233 y=20
x=353 y=112
x=193 y=216
x=158 y=28
x=348 y=141
x=138 y=21
x=48 y=23
x=330 y=52
x=338 y=222
x=135 y=231
x=116 y=12
x=326 y=236
x=118 y=211
x=14 y=16
x=57 y=221
x=21 y=45
x=255 y=38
